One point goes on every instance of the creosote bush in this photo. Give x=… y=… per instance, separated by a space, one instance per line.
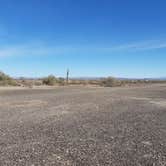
x=111 y=82
x=50 y=80
x=5 y=80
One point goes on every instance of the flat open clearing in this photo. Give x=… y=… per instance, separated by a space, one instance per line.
x=83 y=126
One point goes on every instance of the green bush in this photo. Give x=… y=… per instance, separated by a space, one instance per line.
x=50 y=80
x=5 y=80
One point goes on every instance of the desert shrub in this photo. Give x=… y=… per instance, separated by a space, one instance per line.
x=61 y=81
x=94 y=82
x=6 y=80
x=50 y=80
x=38 y=83
x=110 y=82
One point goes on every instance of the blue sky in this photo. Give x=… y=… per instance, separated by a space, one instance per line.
x=123 y=38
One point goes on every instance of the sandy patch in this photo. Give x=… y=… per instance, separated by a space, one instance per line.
x=24 y=104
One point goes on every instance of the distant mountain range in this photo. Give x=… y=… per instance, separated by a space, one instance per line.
x=97 y=78
x=121 y=78
x=161 y=78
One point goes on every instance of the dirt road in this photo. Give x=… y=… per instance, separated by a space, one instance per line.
x=81 y=126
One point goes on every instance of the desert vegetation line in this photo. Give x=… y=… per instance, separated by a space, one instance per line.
x=51 y=80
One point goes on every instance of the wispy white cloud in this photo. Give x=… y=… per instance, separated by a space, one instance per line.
x=41 y=48
x=34 y=49
x=138 y=46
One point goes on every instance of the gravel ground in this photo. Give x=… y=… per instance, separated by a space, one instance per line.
x=83 y=126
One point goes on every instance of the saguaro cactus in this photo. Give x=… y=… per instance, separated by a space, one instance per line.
x=67 y=76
